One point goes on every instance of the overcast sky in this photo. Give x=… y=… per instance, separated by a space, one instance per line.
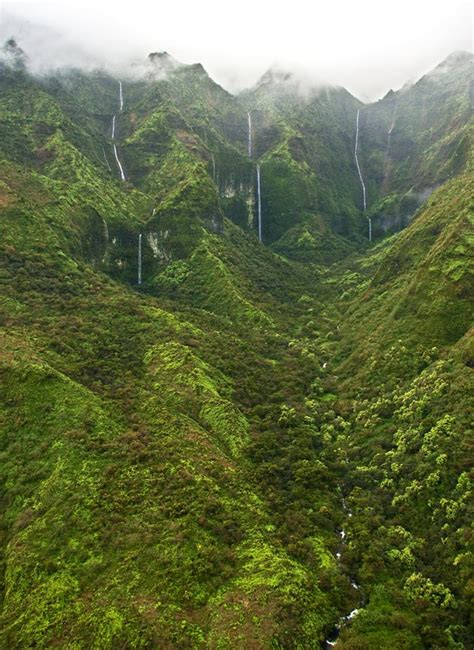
x=368 y=46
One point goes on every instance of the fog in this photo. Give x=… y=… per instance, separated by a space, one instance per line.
x=368 y=46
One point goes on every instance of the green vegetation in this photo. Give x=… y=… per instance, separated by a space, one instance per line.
x=179 y=457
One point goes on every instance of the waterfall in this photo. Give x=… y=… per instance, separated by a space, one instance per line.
x=259 y=204
x=249 y=118
x=357 y=161
x=119 y=164
x=394 y=115
x=114 y=124
x=106 y=241
x=121 y=96
x=106 y=161
x=332 y=639
x=386 y=163
x=106 y=231
x=364 y=193
x=213 y=167
x=140 y=258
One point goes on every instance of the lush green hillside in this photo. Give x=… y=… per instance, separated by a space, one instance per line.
x=405 y=368
x=415 y=139
x=255 y=439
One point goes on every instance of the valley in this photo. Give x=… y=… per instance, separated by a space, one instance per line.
x=236 y=361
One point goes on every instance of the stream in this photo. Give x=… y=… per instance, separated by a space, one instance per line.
x=332 y=638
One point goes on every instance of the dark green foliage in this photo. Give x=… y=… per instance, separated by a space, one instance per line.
x=178 y=457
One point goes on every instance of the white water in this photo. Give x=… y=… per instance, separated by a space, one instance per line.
x=106 y=230
x=119 y=164
x=333 y=638
x=106 y=161
x=356 y=148
x=361 y=178
x=120 y=96
x=259 y=204
x=249 y=117
x=114 y=124
x=386 y=164
x=394 y=115
x=106 y=241
x=140 y=258
x=213 y=167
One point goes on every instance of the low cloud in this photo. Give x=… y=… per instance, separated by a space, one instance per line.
x=366 y=47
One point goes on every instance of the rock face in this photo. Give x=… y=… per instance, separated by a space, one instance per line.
x=210 y=441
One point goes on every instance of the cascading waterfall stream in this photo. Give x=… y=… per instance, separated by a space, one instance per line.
x=386 y=164
x=120 y=96
x=213 y=167
x=392 y=125
x=332 y=639
x=249 y=118
x=114 y=121
x=361 y=178
x=140 y=258
x=106 y=160
x=259 y=204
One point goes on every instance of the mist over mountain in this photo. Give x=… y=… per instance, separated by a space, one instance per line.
x=356 y=46
x=235 y=344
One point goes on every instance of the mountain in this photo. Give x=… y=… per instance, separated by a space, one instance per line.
x=210 y=441
x=415 y=139
x=304 y=143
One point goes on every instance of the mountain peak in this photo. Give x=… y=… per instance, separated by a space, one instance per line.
x=162 y=61
x=457 y=57
x=454 y=62
x=295 y=79
x=12 y=54
x=275 y=75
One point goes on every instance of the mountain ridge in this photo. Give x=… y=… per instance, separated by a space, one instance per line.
x=210 y=441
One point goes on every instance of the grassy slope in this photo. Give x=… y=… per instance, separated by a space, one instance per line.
x=303 y=139
x=415 y=139
x=405 y=383
x=173 y=457
x=108 y=470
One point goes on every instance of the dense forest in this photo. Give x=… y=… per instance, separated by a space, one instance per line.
x=236 y=362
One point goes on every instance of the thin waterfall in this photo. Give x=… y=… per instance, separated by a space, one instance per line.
x=106 y=160
x=106 y=230
x=332 y=639
x=213 y=167
x=259 y=204
x=392 y=125
x=114 y=128
x=386 y=164
x=120 y=96
x=106 y=241
x=249 y=118
x=357 y=161
x=140 y=258
x=119 y=164
x=364 y=193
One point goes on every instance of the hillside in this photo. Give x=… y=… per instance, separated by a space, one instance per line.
x=208 y=441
